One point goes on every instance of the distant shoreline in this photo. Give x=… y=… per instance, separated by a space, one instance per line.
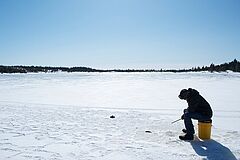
x=231 y=66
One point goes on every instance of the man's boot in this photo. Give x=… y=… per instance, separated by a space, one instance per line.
x=186 y=137
x=184 y=130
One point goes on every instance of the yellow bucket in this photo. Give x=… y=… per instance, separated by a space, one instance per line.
x=204 y=130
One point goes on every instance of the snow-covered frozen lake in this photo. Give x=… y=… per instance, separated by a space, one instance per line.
x=120 y=90
x=66 y=116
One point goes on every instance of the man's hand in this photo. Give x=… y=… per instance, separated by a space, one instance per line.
x=182 y=117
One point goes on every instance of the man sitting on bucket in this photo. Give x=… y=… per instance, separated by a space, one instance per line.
x=198 y=108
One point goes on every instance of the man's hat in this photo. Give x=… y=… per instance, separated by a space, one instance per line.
x=183 y=94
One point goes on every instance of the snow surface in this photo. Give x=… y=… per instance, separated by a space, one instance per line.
x=67 y=116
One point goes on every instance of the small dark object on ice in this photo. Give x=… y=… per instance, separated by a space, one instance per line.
x=112 y=116
x=148 y=131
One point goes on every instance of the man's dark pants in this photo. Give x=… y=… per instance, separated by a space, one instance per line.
x=188 y=116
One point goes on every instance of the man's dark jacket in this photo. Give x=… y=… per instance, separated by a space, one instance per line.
x=196 y=103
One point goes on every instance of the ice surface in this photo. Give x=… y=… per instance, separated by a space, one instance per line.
x=67 y=116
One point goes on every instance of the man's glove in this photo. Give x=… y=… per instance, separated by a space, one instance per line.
x=182 y=117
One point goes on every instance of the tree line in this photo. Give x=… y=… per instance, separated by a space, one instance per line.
x=231 y=66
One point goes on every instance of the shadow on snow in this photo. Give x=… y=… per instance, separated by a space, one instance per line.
x=212 y=149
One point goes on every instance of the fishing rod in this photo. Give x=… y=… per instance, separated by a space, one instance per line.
x=176 y=120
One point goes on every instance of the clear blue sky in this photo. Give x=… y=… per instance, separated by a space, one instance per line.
x=119 y=33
